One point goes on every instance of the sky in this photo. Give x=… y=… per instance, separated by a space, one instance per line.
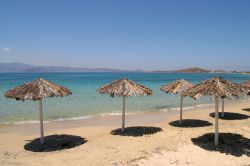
x=127 y=34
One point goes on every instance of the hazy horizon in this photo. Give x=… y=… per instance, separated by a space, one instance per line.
x=173 y=69
x=127 y=35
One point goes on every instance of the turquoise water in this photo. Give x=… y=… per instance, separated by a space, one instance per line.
x=86 y=102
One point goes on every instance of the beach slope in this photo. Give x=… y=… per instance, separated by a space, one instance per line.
x=171 y=146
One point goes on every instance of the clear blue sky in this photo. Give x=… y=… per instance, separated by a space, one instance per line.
x=127 y=34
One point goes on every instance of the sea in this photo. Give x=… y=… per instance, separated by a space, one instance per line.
x=86 y=102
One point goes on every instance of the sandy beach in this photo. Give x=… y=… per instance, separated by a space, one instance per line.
x=124 y=83
x=171 y=146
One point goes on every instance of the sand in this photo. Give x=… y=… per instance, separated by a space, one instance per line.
x=172 y=146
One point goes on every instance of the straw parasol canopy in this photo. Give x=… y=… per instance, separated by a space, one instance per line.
x=246 y=84
x=178 y=87
x=124 y=88
x=218 y=88
x=37 y=90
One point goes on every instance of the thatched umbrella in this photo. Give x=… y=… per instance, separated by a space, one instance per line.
x=37 y=90
x=124 y=88
x=218 y=88
x=178 y=87
x=246 y=84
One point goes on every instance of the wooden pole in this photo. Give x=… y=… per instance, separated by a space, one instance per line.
x=181 y=108
x=123 y=113
x=41 y=121
x=216 y=136
x=222 y=107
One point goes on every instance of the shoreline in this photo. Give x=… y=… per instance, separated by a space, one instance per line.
x=161 y=147
x=87 y=104
x=107 y=120
x=167 y=111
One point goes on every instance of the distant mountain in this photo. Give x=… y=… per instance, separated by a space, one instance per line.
x=14 y=67
x=244 y=72
x=192 y=70
x=51 y=69
x=161 y=71
x=188 y=70
x=26 y=68
x=221 y=71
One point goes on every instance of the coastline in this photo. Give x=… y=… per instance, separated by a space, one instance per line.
x=157 y=112
x=102 y=148
x=86 y=102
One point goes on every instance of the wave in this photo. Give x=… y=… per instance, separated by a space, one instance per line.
x=186 y=108
x=73 y=118
x=23 y=122
x=111 y=113
x=68 y=119
x=120 y=113
x=245 y=100
x=176 y=108
x=203 y=105
x=47 y=121
x=116 y=113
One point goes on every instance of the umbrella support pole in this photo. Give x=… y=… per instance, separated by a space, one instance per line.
x=222 y=107
x=123 y=113
x=41 y=121
x=216 y=136
x=181 y=109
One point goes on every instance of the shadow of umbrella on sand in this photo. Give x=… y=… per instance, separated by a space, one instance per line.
x=124 y=88
x=178 y=87
x=218 y=88
x=36 y=91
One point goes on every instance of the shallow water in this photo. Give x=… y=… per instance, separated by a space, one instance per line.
x=86 y=102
